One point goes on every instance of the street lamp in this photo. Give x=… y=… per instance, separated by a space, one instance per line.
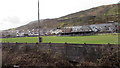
x=39 y=38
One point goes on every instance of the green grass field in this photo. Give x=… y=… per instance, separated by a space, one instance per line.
x=96 y=39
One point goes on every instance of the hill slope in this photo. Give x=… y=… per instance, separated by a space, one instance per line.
x=97 y=15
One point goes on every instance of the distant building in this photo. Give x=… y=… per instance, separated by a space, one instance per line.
x=91 y=29
x=55 y=31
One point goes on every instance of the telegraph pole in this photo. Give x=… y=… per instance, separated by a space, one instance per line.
x=39 y=38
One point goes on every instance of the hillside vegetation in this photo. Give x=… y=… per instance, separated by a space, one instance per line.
x=96 y=15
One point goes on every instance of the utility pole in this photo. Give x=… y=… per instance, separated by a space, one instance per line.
x=39 y=38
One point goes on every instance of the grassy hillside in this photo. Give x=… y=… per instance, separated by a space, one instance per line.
x=96 y=15
x=97 y=39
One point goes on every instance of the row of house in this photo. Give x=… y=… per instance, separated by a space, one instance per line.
x=85 y=29
x=72 y=30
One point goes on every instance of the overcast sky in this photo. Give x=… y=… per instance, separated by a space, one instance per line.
x=14 y=13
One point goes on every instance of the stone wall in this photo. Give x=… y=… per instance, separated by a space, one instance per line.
x=72 y=52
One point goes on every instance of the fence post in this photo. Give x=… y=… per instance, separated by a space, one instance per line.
x=16 y=42
x=65 y=42
x=50 y=44
x=36 y=42
x=84 y=43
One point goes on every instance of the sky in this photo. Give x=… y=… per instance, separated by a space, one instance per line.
x=14 y=13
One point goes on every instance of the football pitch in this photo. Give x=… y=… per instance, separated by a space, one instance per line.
x=95 y=39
